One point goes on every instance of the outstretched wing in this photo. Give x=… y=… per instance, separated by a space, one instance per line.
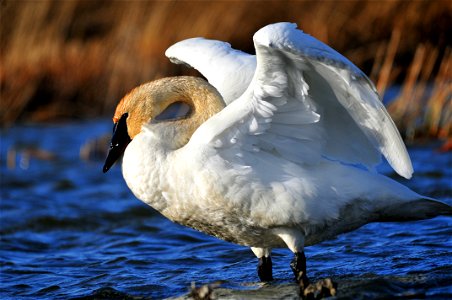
x=230 y=71
x=306 y=102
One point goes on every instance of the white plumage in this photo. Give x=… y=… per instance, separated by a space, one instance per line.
x=289 y=161
x=297 y=79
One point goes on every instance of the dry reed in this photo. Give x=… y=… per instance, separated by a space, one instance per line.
x=76 y=58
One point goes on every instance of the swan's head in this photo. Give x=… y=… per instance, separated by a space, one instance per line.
x=176 y=106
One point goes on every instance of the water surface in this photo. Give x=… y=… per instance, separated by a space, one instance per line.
x=68 y=231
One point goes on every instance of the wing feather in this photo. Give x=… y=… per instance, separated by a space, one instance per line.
x=230 y=71
x=306 y=101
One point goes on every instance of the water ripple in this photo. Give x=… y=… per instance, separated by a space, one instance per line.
x=70 y=232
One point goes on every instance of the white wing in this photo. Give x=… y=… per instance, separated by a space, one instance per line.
x=305 y=101
x=230 y=71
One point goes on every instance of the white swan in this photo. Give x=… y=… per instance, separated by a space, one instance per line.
x=280 y=153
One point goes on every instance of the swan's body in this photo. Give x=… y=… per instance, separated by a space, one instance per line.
x=282 y=155
x=252 y=205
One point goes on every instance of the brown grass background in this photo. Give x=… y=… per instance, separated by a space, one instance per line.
x=75 y=59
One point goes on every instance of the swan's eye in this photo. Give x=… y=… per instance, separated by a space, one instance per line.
x=174 y=111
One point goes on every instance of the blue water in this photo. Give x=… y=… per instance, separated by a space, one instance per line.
x=69 y=231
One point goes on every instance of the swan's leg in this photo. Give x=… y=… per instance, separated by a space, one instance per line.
x=298 y=265
x=264 y=266
x=294 y=240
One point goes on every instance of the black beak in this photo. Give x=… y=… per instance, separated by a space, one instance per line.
x=119 y=142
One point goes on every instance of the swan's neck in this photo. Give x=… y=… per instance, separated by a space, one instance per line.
x=144 y=159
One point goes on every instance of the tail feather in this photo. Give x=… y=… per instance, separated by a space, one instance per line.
x=419 y=209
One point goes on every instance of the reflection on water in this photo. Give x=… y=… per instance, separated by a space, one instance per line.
x=68 y=231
